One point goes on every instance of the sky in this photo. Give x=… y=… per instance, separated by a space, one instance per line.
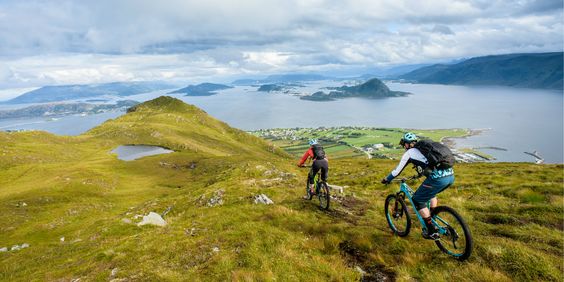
x=77 y=42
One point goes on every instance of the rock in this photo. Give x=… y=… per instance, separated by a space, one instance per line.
x=62 y=239
x=24 y=245
x=190 y=232
x=215 y=249
x=263 y=199
x=339 y=189
x=126 y=220
x=114 y=272
x=359 y=270
x=217 y=199
x=260 y=167
x=2 y=250
x=152 y=218
x=15 y=248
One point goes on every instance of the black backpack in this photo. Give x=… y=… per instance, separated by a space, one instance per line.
x=438 y=155
x=318 y=152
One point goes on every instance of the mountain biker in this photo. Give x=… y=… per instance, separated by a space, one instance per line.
x=437 y=181
x=317 y=154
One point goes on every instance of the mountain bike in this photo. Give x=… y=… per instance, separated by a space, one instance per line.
x=455 y=237
x=321 y=191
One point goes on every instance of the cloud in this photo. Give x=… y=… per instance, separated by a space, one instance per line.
x=82 y=41
x=443 y=29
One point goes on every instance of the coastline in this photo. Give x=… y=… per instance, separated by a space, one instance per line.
x=468 y=154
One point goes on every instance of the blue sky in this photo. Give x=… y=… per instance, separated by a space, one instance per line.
x=65 y=42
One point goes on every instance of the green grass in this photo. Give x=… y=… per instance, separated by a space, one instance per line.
x=74 y=188
x=350 y=137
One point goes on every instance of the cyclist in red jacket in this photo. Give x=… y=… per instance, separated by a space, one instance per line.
x=317 y=154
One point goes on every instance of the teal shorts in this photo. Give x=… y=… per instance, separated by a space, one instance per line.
x=429 y=189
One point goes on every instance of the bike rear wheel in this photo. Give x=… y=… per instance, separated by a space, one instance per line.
x=323 y=195
x=456 y=239
x=397 y=215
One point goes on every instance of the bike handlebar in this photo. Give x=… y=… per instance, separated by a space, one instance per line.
x=404 y=179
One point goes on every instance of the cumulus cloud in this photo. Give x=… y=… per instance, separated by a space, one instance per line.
x=69 y=41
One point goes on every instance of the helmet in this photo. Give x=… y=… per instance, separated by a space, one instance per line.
x=408 y=138
x=312 y=142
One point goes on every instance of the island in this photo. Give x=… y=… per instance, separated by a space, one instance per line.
x=59 y=93
x=203 y=89
x=270 y=88
x=373 y=88
x=62 y=109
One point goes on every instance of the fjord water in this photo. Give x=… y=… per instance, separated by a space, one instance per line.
x=518 y=120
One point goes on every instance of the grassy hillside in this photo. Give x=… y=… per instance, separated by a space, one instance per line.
x=53 y=187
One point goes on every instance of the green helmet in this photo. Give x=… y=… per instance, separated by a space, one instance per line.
x=408 y=138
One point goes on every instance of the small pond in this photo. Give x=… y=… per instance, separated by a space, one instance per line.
x=133 y=152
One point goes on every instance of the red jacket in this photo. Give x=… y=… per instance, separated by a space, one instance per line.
x=307 y=155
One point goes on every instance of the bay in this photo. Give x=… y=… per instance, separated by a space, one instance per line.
x=517 y=120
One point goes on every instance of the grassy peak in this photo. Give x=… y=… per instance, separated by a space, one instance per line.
x=165 y=104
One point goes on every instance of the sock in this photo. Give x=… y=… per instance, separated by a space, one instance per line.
x=430 y=226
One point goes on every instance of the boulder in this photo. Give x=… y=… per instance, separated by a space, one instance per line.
x=153 y=219
x=339 y=189
x=263 y=199
x=216 y=199
x=3 y=250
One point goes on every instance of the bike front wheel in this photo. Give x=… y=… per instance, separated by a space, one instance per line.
x=456 y=239
x=397 y=215
x=323 y=195
x=309 y=195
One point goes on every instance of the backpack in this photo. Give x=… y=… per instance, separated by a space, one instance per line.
x=318 y=152
x=438 y=155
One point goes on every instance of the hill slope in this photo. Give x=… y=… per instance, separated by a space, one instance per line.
x=536 y=70
x=76 y=205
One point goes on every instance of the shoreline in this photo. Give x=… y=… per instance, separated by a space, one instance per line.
x=469 y=154
x=451 y=141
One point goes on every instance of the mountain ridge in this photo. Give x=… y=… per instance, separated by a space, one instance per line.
x=527 y=70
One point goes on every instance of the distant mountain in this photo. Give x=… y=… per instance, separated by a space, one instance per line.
x=281 y=78
x=203 y=89
x=373 y=88
x=296 y=77
x=72 y=92
x=391 y=72
x=535 y=70
x=59 y=109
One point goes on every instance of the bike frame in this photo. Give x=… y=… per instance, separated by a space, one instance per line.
x=406 y=191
